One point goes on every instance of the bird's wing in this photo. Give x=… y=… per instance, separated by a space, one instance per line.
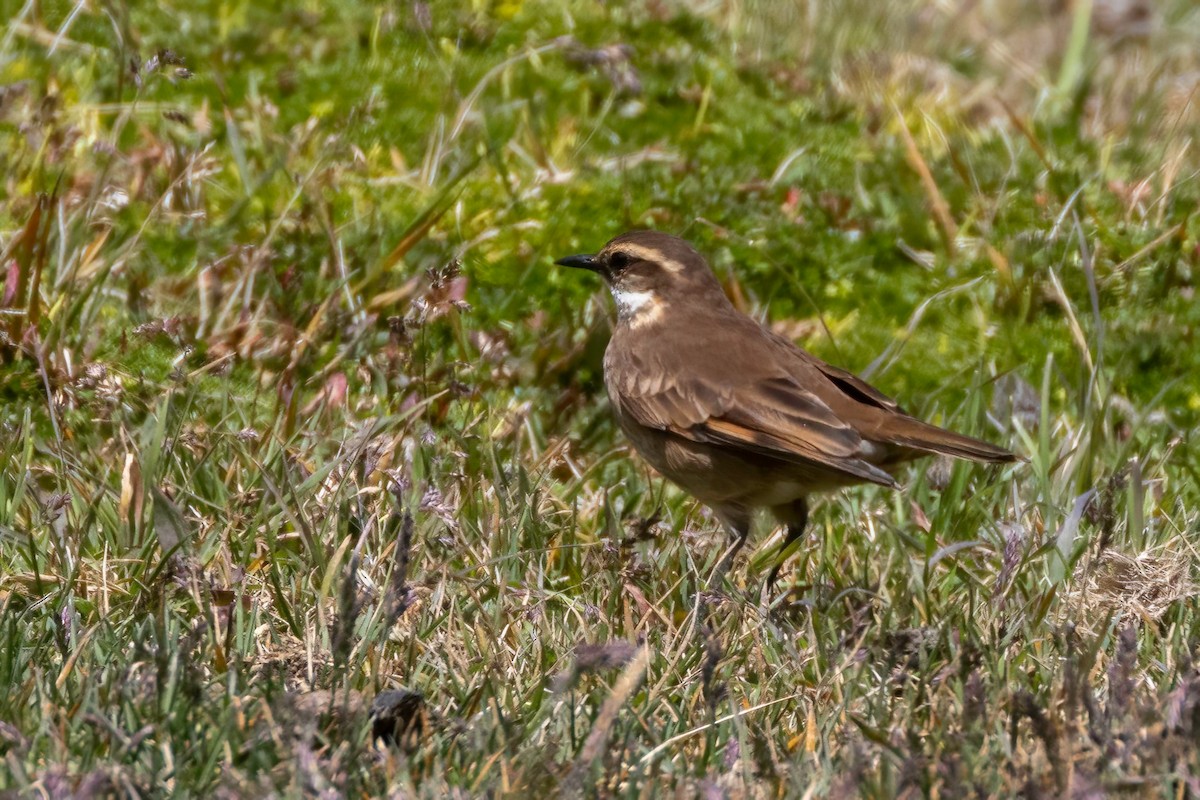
x=847 y=383
x=856 y=388
x=772 y=416
x=879 y=418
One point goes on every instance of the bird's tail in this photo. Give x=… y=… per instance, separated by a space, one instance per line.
x=926 y=438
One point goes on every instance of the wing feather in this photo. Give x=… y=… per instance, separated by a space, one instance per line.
x=772 y=416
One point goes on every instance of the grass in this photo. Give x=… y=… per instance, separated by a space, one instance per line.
x=308 y=486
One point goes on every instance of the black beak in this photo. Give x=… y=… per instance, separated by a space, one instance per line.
x=579 y=262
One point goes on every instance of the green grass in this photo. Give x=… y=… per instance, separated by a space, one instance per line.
x=295 y=409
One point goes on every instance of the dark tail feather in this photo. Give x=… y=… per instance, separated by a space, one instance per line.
x=928 y=438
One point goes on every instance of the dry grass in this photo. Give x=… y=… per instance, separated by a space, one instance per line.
x=306 y=483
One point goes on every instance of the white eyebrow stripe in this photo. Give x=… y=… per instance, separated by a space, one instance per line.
x=648 y=254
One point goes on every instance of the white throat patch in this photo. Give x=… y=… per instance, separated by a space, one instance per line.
x=637 y=308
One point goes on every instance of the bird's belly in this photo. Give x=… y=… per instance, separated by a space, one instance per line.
x=781 y=492
x=718 y=476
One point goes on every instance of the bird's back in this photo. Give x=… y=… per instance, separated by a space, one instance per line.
x=722 y=357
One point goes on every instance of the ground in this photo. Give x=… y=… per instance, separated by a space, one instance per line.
x=308 y=484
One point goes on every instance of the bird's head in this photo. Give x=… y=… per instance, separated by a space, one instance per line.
x=648 y=272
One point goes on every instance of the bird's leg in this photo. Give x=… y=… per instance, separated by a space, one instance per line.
x=739 y=529
x=795 y=516
x=738 y=523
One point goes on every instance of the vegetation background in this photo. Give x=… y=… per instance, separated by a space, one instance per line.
x=307 y=482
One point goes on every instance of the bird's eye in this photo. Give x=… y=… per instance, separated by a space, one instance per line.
x=618 y=260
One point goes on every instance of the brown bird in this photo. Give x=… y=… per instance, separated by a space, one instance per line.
x=738 y=416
